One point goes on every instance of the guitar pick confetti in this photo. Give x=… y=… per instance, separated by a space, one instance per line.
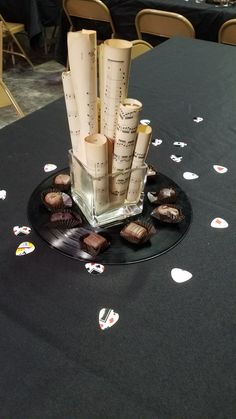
x=94 y=268
x=176 y=159
x=157 y=142
x=107 y=318
x=21 y=230
x=219 y=223
x=25 y=248
x=190 y=175
x=180 y=275
x=145 y=121
x=198 y=119
x=49 y=167
x=220 y=169
x=179 y=144
x=3 y=194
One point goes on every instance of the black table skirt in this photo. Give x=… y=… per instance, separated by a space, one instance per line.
x=172 y=352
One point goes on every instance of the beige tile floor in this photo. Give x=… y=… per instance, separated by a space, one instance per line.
x=31 y=89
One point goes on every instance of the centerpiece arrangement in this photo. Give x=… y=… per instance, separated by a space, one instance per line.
x=109 y=145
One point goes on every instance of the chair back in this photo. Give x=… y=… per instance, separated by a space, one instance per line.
x=227 y=32
x=163 y=23
x=6 y=98
x=88 y=9
x=139 y=47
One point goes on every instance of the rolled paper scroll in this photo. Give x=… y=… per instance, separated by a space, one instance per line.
x=72 y=112
x=96 y=150
x=114 y=67
x=140 y=153
x=82 y=54
x=126 y=134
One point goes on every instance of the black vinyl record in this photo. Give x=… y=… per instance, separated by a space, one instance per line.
x=68 y=241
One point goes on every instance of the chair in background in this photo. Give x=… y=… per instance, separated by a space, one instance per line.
x=88 y=9
x=9 y=31
x=227 y=32
x=139 y=47
x=163 y=24
x=6 y=98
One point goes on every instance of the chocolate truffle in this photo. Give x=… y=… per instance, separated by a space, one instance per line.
x=168 y=213
x=53 y=199
x=166 y=196
x=62 y=181
x=94 y=244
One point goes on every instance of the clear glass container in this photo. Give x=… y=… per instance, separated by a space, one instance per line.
x=107 y=200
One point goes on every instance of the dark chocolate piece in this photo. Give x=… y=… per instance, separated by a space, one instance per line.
x=168 y=213
x=64 y=219
x=94 y=244
x=164 y=196
x=151 y=173
x=62 y=181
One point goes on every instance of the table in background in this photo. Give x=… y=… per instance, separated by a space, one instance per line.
x=34 y=14
x=172 y=353
x=205 y=18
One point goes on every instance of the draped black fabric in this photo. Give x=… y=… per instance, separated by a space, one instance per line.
x=172 y=352
x=33 y=13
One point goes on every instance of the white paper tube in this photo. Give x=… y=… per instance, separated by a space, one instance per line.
x=114 y=66
x=72 y=112
x=82 y=55
x=140 y=153
x=126 y=134
x=96 y=150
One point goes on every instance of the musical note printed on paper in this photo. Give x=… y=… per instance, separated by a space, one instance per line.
x=115 y=56
x=82 y=53
x=125 y=139
x=140 y=153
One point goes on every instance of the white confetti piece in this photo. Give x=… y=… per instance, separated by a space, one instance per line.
x=219 y=223
x=176 y=159
x=3 y=194
x=180 y=144
x=190 y=176
x=157 y=142
x=107 y=318
x=21 y=230
x=180 y=275
x=25 y=248
x=94 y=268
x=198 y=119
x=49 y=167
x=220 y=169
x=145 y=121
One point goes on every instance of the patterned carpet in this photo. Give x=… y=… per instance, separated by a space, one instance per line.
x=31 y=89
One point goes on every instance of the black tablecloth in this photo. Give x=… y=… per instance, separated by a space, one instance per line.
x=172 y=352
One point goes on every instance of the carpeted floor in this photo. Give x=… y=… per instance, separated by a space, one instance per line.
x=31 y=89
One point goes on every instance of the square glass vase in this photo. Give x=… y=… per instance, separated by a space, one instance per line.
x=110 y=199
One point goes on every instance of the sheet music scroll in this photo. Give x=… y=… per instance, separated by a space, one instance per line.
x=82 y=55
x=140 y=153
x=126 y=134
x=114 y=67
x=96 y=150
x=72 y=112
